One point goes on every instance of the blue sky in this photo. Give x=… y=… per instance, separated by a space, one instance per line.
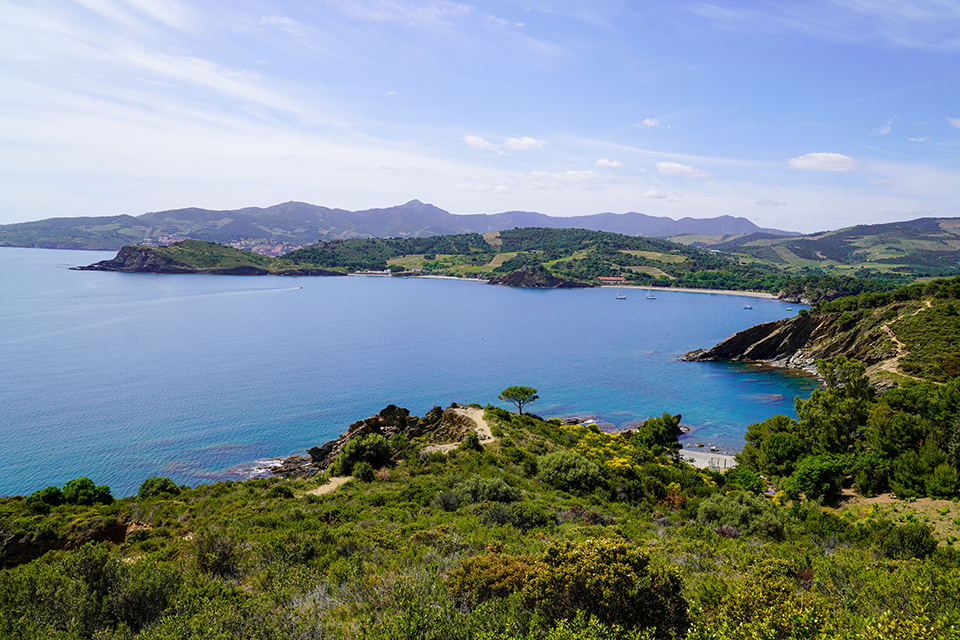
x=801 y=116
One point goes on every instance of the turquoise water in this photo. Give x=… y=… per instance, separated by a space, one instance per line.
x=122 y=376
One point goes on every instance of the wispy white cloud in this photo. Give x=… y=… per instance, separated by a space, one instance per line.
x=677 y=169
x=421 y=15
x=479 y=143
x=654 y=195
x=652 y=123
x=879 y=181
x=510 y=144
x=882 y=130
x=769 y=202
x=566 y=177
x=523 y=144
x=823 y=162
x=609 y=164
x=923 y=139
x=922 y=24
x=954 y=122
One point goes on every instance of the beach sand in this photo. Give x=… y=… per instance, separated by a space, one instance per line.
x=705 y=459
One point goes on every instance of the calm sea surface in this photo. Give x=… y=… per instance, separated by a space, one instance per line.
x=122 y=376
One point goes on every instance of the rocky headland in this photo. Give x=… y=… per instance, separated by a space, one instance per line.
x=800 y=341
x=538 y=278
x=194 y=256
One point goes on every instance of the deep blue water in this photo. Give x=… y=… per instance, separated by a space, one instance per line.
x=122 y=376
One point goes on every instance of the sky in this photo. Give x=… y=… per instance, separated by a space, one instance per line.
x=799 y=116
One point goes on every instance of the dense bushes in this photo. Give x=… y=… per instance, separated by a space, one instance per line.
x=569 y=472
x=746 y=513
x=81 y=491
x=372 y=449
x=158 y=487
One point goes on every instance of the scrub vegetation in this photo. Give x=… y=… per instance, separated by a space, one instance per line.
x=547 y=531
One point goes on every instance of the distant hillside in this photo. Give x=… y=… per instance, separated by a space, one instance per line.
x=573 y=255
x=291 y=225
x=926 y=246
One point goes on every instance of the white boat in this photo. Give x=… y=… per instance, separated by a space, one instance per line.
x=650 y=295
x=747 y=306
x=620 y=296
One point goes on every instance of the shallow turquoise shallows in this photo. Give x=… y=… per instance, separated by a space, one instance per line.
x=119 y=377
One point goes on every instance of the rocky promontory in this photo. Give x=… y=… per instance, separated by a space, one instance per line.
x=538 y=278
x=800 y=341
x=196 y=256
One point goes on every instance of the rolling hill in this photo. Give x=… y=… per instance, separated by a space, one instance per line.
x=290 y=225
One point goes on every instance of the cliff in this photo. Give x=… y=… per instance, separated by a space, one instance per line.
x=800 y=341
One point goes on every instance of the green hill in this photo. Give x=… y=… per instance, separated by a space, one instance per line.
x=926 y=246
x=197 y=256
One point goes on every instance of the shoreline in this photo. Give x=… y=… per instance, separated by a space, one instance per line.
x=707 y=459
x=722 y=292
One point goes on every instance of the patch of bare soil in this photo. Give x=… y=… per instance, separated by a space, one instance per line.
x=482 y=428
x=335 y=483
x=942 y=515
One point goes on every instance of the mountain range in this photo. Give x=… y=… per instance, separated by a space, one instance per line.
x=295 y=224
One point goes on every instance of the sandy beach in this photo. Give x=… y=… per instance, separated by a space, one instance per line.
x=705 y=459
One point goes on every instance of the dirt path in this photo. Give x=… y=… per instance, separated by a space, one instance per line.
x=334 y=484
x=483 y=430
x=893 y=364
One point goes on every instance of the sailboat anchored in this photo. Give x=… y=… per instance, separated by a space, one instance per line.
x=620 y=296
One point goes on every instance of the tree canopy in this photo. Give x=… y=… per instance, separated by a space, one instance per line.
x=519 y=396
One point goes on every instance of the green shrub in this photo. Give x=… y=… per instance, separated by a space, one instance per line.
x=745 y=479
x=372 y=448
x=480 y=578
x=158 y=487
x=478 y=489
x=82 y=491
x=943 y=482
x=611 y=580
x=363 y=471
x=522 y=516
x=568 y=471
x=217 y=554
x=280 y=491
x=471 y=443
x=750 y=514
x=817 y=476
x=910 y=540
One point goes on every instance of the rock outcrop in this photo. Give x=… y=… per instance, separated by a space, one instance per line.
x=438 y=425
x=800 y=341
x=537 y=278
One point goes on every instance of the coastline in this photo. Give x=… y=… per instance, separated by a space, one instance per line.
x=722 y=292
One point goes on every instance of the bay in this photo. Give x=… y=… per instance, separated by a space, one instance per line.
x=119 y=377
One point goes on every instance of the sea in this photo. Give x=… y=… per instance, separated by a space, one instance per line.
x=119 y=377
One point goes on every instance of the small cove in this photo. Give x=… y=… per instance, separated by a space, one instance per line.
x=122 y=376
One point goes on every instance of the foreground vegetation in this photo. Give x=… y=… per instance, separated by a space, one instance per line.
x=547 y=531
